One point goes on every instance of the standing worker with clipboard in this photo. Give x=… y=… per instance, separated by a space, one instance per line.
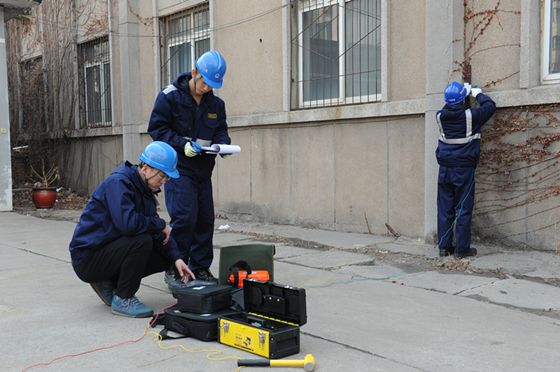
x=187 y=115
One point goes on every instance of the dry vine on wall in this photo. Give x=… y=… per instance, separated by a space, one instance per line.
x=44 y=80
x=518 y=181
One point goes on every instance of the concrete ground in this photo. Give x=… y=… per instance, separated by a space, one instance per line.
x=374 y=303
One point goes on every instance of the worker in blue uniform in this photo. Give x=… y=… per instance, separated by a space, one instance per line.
x=188 y=116
x=458 y=153
x=120 y=239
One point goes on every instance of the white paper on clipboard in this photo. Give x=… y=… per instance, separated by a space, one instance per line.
x=221 y=149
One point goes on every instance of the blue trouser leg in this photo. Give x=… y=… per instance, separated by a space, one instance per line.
x=465 y=204
x=446 y=209
x=191 y=208
x=455 y=200
x=201 y=251
x=181 y=200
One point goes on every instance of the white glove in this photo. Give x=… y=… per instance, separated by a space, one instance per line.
x=468 y=86
x=475 y=92
x=192 y=149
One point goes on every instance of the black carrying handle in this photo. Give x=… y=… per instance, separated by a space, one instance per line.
x=234 y=269
x=165 y=336
x=253 y=363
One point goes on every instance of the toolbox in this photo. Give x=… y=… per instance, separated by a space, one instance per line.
x=269 y=327
x=204 y=299
x=203 y=327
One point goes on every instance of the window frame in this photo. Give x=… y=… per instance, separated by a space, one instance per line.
x=192 y=36
x=548 y=77
x=106 y=114
x=343 y=98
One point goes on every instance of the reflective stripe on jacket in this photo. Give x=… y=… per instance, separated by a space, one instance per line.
x=459 y=140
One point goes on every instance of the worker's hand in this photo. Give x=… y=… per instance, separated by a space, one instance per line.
x=184 y=270
x=475 y=92
x=167 y=232
x=192 y=148
x=468 y=86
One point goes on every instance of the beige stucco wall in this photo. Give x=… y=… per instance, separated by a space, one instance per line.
x=335 y=167
x=115 y=65
x=88 y=161
x=495 y=53
x=333 y=174
x=148 y=73
x=253 y=51
x=407 y=60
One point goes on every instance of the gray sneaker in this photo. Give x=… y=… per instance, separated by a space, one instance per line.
x=131 y=307
x=104 y=289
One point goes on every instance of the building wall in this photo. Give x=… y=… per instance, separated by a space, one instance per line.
x=407 y=59
x=89 y=160
x=350 y=167
x=5 y=148
x=253 y=50
x=340 y=175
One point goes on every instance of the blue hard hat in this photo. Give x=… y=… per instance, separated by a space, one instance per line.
x=455 y=93
x=161 y=156
x=212 y=66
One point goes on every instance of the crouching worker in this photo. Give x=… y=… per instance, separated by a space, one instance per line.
x=120 y=238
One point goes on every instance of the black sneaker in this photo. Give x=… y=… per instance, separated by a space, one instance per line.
x=446 y=252
x=468 y=253
x=205 y=275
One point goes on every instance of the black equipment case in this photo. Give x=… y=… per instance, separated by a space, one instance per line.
x=270 y=325
x=204 y=299
x=203 y=327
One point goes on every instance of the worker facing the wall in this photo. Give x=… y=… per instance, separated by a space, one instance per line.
x=120 y=238
x=187 y=115
x=457 y=154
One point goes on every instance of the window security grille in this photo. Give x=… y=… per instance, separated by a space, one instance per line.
x=185 y=37
x=95 y=83
x=338 y=44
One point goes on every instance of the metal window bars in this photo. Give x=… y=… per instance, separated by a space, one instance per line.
x=338 y=47
x=185 y=36
x=95 y=83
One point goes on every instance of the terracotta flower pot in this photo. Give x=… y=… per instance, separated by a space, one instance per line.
x=43 y=197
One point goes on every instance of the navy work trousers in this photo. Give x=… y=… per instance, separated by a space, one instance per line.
x=124 y=262
x=191 y=207
x=455 y=201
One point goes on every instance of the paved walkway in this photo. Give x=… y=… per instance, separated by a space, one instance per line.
x=375 y=303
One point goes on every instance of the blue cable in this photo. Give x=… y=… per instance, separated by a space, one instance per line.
x=457 y=213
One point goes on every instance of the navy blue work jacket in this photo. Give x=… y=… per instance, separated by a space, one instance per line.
x=123 y=205
x=453 y=124
x=176 y=116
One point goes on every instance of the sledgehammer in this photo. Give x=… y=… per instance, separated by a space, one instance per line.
x=308 y=363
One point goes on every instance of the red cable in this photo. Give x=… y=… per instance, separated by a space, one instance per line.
x=102 y=347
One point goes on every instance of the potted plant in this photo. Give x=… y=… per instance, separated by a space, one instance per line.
x=43 y=193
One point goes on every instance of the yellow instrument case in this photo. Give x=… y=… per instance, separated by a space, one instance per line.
x=269 y=327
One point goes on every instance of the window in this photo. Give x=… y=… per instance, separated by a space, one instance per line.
x=186 y=36
x=551 y=40
x=95 y=83
x=339 y=52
